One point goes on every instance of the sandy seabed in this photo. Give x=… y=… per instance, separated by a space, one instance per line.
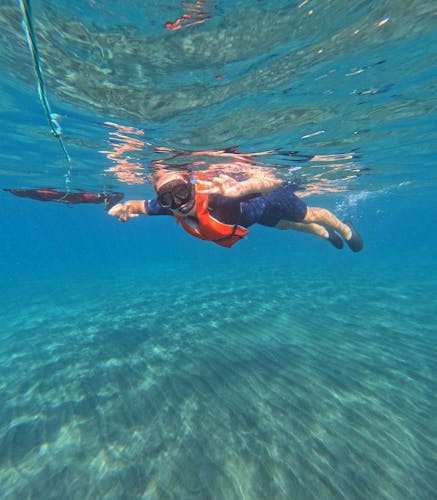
x=227 y=387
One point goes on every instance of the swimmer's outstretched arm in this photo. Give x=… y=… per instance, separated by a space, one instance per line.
x=128 y=210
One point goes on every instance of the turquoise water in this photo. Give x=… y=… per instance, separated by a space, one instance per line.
x=138 y=362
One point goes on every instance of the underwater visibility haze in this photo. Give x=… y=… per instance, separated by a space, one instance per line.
x=138 y=362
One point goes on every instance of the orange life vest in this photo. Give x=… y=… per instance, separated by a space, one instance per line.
x=211 y=229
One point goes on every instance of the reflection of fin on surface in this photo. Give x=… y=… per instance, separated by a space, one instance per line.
x=48 y=194
x=355 y=243
x=112 y=199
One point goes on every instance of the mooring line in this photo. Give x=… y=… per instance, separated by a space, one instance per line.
x=55 y=128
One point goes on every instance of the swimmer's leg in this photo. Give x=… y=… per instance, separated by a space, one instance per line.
x=312 y=228
x=327 y=219
x=331 y=223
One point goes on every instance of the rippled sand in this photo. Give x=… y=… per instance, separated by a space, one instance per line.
x=227 y=387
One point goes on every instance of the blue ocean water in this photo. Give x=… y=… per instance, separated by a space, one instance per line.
x=139 y=362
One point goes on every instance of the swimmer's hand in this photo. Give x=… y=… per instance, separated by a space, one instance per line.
x=128 y=210
x=222 y=184
x=230 y=187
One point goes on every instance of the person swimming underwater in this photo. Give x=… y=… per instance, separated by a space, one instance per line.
x=220 y=208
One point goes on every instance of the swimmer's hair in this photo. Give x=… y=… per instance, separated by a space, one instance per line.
x=161 y=176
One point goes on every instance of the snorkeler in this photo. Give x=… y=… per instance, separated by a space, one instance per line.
x=108 y=198
x=221 y=208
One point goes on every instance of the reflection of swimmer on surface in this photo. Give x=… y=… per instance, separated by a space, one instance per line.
x=108 y=198
x=341 y=166
x=121 y=151
x=196 y=13
x=218 y=207
x=128 y=148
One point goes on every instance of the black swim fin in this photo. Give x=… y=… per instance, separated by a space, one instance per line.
x=335 y=239
x=355 y=243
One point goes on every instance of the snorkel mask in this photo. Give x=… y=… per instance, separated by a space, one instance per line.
x=176 y=195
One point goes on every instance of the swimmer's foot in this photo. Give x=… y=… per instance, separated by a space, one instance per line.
x=335 y=239
x=355 y=243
